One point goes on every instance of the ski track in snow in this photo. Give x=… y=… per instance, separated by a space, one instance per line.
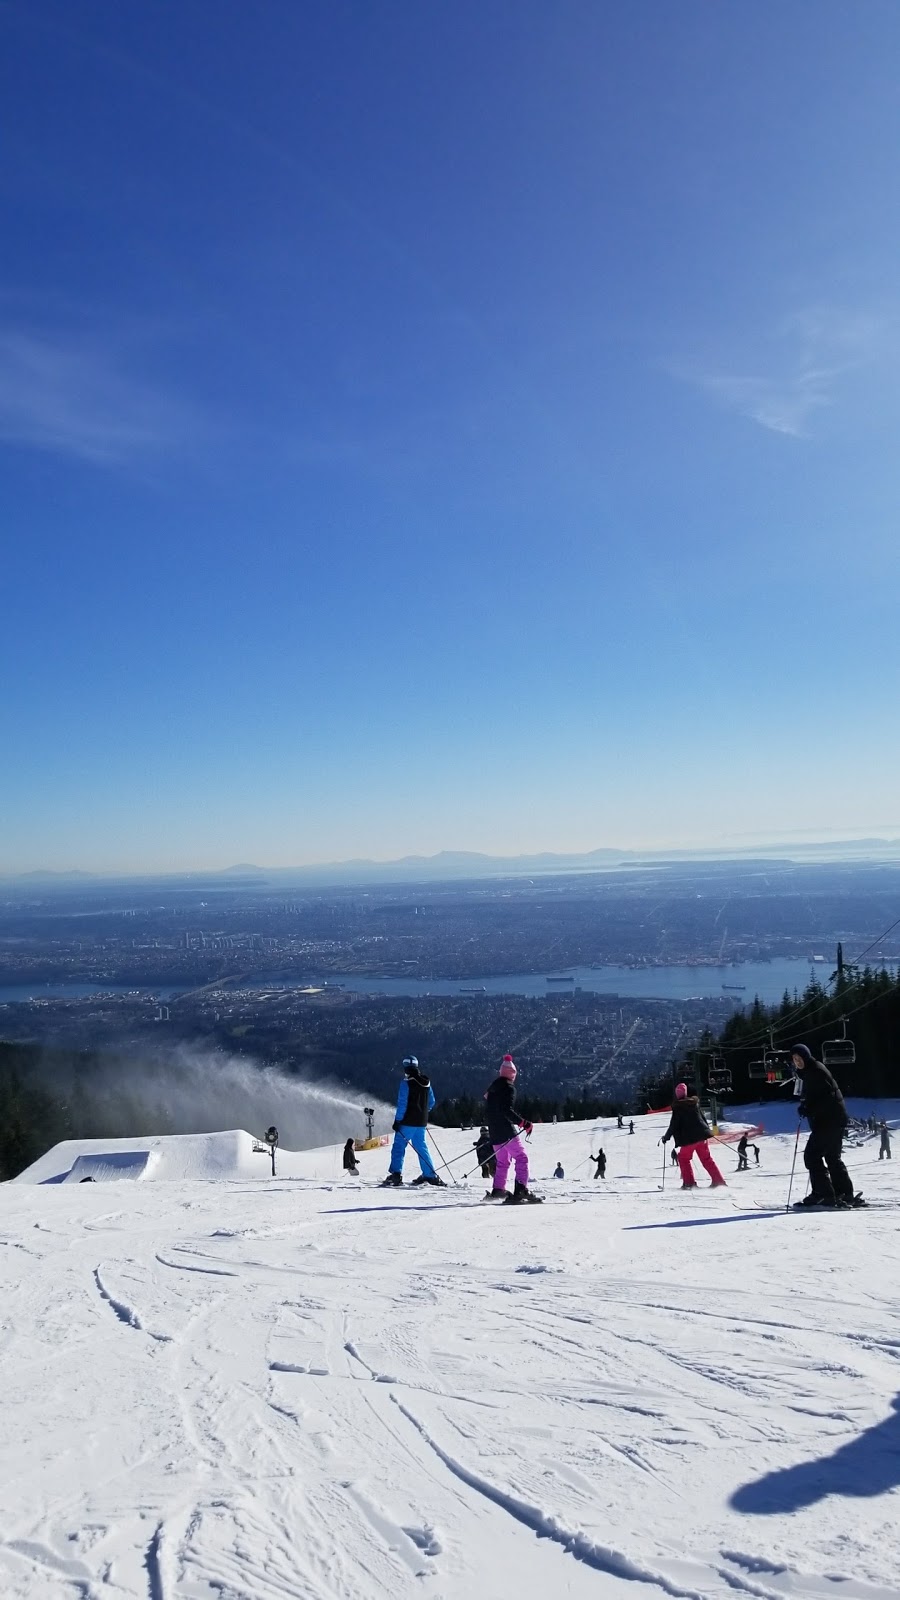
x=310 y=1389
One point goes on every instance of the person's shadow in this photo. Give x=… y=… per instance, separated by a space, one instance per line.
x=867 y=1465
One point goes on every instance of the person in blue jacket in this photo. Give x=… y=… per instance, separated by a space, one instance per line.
x=414 y=1102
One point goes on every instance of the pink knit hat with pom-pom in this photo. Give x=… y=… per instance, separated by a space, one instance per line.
x=508 y=1068
x=681 y=1091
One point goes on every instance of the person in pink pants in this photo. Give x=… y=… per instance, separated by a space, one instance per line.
x=691 y=1133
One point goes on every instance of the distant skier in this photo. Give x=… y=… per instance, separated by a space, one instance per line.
x=631 y=1127
x=823 y=1106
x=743 y=1164
x=619 y=1121
x=504 y=1129
x=558 y=1171
x=674 y=1156
x=600 y=1159
x=350 y=1159
x=691 y=1133
x=755 y=1149
x=414 y=1102
x=484 y=1151
x=885 y=1149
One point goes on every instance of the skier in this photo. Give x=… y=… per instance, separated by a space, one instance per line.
x=350 y=1159
x=631 y=1127
x=619 y=1122
x=484 y=1150
x=558 y=1171
x=504 y=1127
x=743 y=1164
x=885 y=1149
x=674 y=1156
x=691 y=1133
x=600 y=1159
x=414 y=1102
x=823 y=1106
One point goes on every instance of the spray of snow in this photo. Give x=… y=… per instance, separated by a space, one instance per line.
x=189 y=1090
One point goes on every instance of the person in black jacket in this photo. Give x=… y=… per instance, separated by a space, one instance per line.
x=350 y=1158
x=484 y=1151
x=600 y=1159
x=504 y=1127
x=823 y=1106
x=691 y=1133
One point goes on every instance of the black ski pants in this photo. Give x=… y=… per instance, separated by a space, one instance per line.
x=828 y=1176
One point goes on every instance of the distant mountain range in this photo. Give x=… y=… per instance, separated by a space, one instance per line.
x=466 y=865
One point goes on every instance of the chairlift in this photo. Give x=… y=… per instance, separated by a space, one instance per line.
x=774 y=1067
x=718 y=1075
x=839 y=1052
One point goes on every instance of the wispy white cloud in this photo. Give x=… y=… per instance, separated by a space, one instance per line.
x=798 y=368
x=73 y=394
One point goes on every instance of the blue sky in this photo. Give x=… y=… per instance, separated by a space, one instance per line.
x=467 y=424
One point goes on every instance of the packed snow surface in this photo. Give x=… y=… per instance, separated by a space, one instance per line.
x=233 y=1386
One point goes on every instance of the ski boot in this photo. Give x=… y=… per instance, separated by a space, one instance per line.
x=496 y=1194
x=522 y=1196
x=394 y=1180
x=434 y=1181
x=689 y=1186
x=718 y=1183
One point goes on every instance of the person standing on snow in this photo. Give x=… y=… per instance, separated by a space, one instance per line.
x=823 y=1106
x=484 y=1151
x=414 y=1102
x=600 y=1159
x=631 y=1127
x=350 y=1158
x=743 y=1163
x=691 y=1133
x=885 y=1149
x=504 y=1128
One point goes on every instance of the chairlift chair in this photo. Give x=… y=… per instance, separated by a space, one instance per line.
x=839 y=1052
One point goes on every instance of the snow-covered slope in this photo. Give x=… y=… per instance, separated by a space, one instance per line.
x=312 y=1387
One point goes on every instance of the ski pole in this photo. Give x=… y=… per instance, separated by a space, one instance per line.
x=665 y=1163
x=440 y=1157
x=793 y=1164
x=495 y=1148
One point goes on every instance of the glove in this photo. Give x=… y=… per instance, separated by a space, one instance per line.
x=528 y=1128
x=396 y=1126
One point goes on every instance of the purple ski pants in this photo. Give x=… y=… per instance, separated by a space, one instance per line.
x=514 y=1150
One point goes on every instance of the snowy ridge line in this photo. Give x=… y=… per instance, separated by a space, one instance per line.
x=126 y=1313
x=601 y=1557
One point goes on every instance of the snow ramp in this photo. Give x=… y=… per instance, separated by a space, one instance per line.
x=213 y=1157
x=112 y=1166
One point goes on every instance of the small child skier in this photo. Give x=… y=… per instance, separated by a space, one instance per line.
x=504 y=1129
x=350 y=1159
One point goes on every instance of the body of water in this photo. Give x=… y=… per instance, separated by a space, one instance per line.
x=740 y=983
x=768 y=979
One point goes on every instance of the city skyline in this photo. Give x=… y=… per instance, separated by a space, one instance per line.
x=464 y=428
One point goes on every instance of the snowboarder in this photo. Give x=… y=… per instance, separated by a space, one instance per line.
x=558 y=1171
x=631 y=1127
x=743 y=1164
x=414 y=1102
x=350 y=1159
x=504 y=1128
x=484 y=1150
x=823 y=1106
x=885 y=1149
x=600 y=1159
x=691 y=1133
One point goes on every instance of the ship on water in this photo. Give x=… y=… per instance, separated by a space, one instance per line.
x=566 y=977
x=740 y=986
x=479 y=988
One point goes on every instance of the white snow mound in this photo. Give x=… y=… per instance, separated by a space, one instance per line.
x=215 y=1157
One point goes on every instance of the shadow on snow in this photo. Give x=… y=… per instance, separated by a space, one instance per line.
x=867 y=1465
